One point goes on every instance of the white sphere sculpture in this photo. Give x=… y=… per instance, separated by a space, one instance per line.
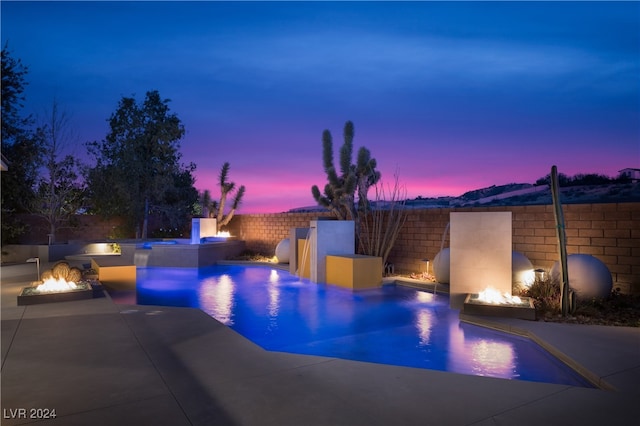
x=441 y=266
x=522 y=270
x=588 y=276
x=282 y=251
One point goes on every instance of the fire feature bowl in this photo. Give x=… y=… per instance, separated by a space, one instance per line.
x=31 y=295
x=524 y=310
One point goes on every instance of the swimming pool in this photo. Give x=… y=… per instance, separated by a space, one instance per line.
x=391 y=325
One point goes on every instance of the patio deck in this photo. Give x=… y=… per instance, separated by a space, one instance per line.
x=96 y=362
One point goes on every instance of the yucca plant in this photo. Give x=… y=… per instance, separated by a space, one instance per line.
x=217 y=208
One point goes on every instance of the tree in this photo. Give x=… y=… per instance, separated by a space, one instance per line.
x=138 y=164
x=578 y=179
x=14 y=126
x=563 y=180
x=354 y=179
x=20 y=148
x=59 y=192
x=179 y=200
x=216 y=209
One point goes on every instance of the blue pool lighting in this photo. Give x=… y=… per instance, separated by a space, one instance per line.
x=391 y=325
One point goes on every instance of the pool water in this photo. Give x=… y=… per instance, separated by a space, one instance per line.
x=391 y=325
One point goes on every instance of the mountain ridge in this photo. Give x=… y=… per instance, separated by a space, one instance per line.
x=519 y=194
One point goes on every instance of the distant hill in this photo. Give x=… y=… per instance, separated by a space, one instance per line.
x=606 y=193
x=522 y=194
x=493 y=190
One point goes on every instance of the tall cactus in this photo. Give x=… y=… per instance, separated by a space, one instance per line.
x=354 y=179
x=367 y=176
x=566 y=295
x=205 y=203
x=226 y=188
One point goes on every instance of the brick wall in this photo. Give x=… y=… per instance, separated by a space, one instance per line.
x=263 y=232
x=610 y=232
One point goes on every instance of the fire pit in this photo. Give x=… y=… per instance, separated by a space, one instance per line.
x=491 y=303
x=60 y=284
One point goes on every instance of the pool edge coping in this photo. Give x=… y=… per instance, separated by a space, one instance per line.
x=584 y=372
x=594 y=379
x=587 y=374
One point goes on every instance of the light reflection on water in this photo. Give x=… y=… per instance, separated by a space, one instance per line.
x=494 y=359
x=391 y=325
x=274 y=299
x=483 y=355
x=216 y=298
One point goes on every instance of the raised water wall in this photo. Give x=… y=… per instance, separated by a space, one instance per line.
x=480 y=254
x=180 y=255
x=608 y=231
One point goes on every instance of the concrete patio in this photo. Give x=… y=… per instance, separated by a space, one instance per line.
x=99 y=363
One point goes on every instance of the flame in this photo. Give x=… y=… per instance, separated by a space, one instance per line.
x=491 y=295
x=52 y=285
x=223 y=234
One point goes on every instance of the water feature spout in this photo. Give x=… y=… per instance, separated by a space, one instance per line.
x=444 y=234
x=305 y=254
x=441 y=261
x=141 y=257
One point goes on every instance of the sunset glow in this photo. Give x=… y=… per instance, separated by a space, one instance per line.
x=454 y=96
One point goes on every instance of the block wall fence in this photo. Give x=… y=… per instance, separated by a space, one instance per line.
x=608 y=231
x=87 y=228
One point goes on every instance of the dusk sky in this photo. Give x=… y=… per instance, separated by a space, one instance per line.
x=454 y=96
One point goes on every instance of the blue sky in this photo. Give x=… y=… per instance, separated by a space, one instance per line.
x=453 y=96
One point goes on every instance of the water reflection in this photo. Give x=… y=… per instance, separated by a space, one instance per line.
x=424 y=323
x=217 y=297
x=274 y=299
x=480 y=356
x=391 y=325
x=424 y=297
x=495 y=359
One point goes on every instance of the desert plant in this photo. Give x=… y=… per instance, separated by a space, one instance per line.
x=380 y=225
x=203 y=208
x=562 y=242
x=354 y=180
x=216 y=209
x=545 y=292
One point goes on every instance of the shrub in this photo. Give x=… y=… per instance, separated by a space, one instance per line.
x=545 y=292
